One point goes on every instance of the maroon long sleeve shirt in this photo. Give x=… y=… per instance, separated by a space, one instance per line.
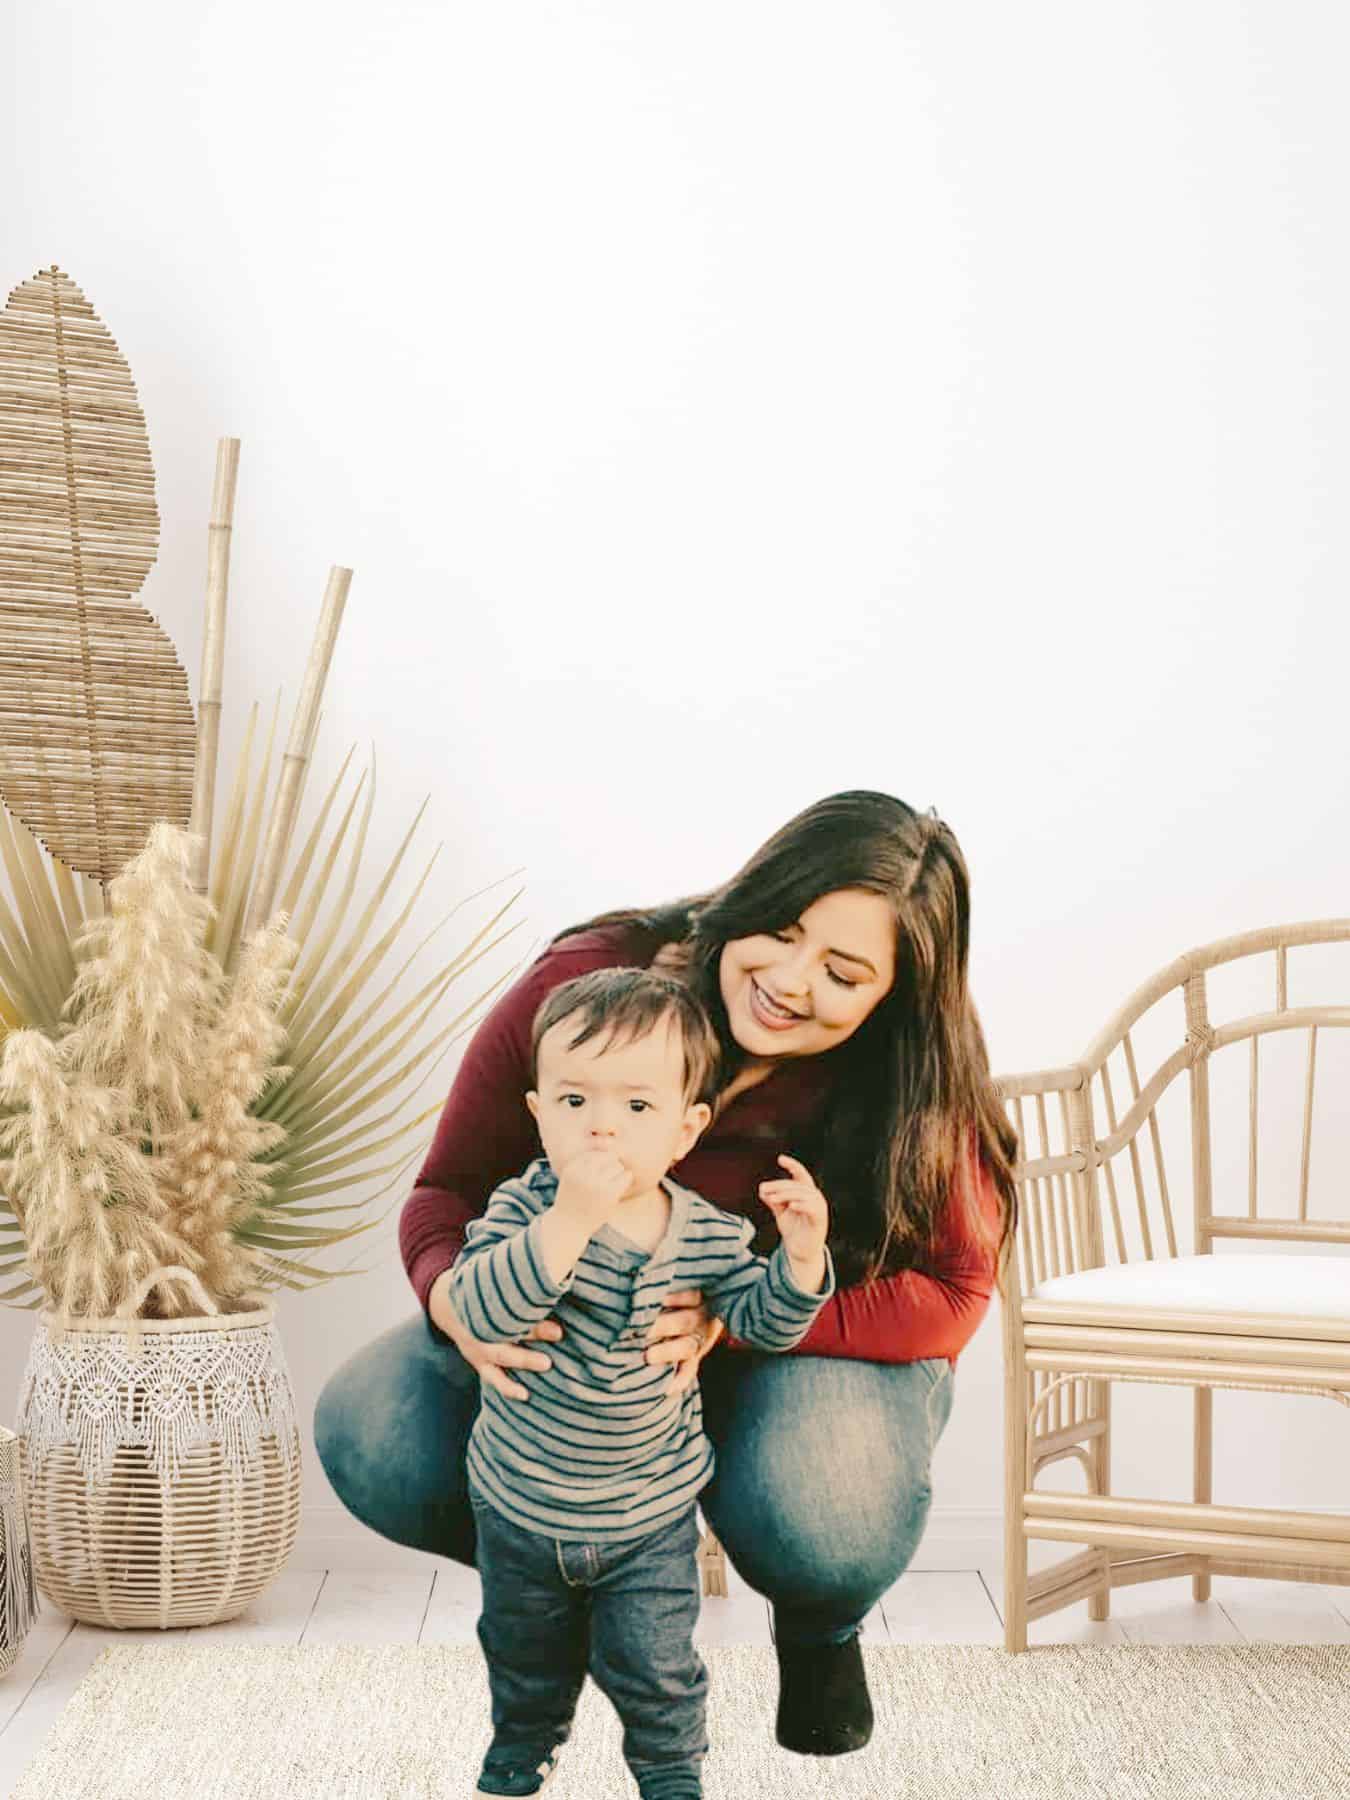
x=486 y=1134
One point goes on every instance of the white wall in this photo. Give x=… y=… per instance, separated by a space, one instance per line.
x=721 y=405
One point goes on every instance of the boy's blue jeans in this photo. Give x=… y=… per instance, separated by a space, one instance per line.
x=820 y=1495
x=553 y=1610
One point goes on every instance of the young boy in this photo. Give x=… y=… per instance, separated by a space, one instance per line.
x=584 y=1497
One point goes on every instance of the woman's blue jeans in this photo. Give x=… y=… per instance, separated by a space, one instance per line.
x=821 y=1491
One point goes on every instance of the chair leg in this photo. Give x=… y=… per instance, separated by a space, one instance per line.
x=1015 y=1546
x=1204 y=1470
x=712 y=1559
x=1099 y=1603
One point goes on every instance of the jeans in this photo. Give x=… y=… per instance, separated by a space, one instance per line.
x=626 y=1611
x=820 y=1495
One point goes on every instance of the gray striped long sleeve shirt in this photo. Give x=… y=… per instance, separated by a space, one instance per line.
x=599 y=1452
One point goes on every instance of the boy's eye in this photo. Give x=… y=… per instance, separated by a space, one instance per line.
x=580 y=1099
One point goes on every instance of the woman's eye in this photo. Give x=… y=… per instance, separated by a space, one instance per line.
x=838 y=980
x=645 y=1105
x=567 y=1100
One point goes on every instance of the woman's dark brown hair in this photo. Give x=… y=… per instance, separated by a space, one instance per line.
x=913 y=1090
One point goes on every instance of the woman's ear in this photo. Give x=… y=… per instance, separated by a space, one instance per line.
x=532 y=1101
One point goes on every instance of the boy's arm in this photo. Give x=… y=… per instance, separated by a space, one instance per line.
x=502 y=1282
x=757 y=1296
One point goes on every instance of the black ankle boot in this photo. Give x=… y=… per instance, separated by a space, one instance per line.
x=824 y=1708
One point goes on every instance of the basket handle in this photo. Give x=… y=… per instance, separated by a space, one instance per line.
x=165 y=1272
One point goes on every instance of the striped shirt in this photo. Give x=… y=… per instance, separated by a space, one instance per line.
x=599 y=1451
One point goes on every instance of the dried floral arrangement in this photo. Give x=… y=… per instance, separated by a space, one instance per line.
x=133 y=1144
x=182 y=1074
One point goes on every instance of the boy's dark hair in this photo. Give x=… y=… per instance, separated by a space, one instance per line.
x=628 y=1003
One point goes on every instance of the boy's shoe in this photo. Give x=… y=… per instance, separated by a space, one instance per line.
x=824 y=1708
x=515 y=1782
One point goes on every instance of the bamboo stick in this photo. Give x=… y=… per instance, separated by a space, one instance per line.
x=218 y=539
x=286 y=805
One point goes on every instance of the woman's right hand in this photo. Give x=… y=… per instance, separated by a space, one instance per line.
x=491 y=1361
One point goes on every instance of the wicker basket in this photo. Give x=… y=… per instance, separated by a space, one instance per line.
x=161 y=1466
x=18 y=1597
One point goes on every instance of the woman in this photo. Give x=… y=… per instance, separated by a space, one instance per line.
x=833 y=966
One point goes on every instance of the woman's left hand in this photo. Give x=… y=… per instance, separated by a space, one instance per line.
x=683 y=1334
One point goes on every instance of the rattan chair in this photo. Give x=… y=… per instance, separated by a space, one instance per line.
x=1096 y=1289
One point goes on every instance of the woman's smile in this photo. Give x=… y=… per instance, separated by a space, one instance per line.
x=767 y=1010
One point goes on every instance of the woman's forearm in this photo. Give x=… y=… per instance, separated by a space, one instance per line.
x=439 y=1307
x=431 y=1235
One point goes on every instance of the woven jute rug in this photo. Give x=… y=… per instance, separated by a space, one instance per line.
x=953 y=1722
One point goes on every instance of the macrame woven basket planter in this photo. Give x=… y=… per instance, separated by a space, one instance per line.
x=18 y=1597
x=160 y=1465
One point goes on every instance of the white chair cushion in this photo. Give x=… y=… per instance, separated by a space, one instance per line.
x=1309 y=1286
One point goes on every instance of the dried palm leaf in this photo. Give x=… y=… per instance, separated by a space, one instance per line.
x=356 y=1061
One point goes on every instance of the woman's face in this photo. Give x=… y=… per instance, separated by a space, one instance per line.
x=802 y=990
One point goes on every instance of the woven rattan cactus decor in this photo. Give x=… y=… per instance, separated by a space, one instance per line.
x=97 y=736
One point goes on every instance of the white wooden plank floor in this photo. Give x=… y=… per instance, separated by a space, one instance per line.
x=925 y=1606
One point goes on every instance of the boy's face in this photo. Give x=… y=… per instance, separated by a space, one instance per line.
x=628 y=1098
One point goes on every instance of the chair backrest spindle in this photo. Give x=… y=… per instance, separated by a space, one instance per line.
x=1199 y=1039
x=1252 y=1114
x=1307 y=1125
